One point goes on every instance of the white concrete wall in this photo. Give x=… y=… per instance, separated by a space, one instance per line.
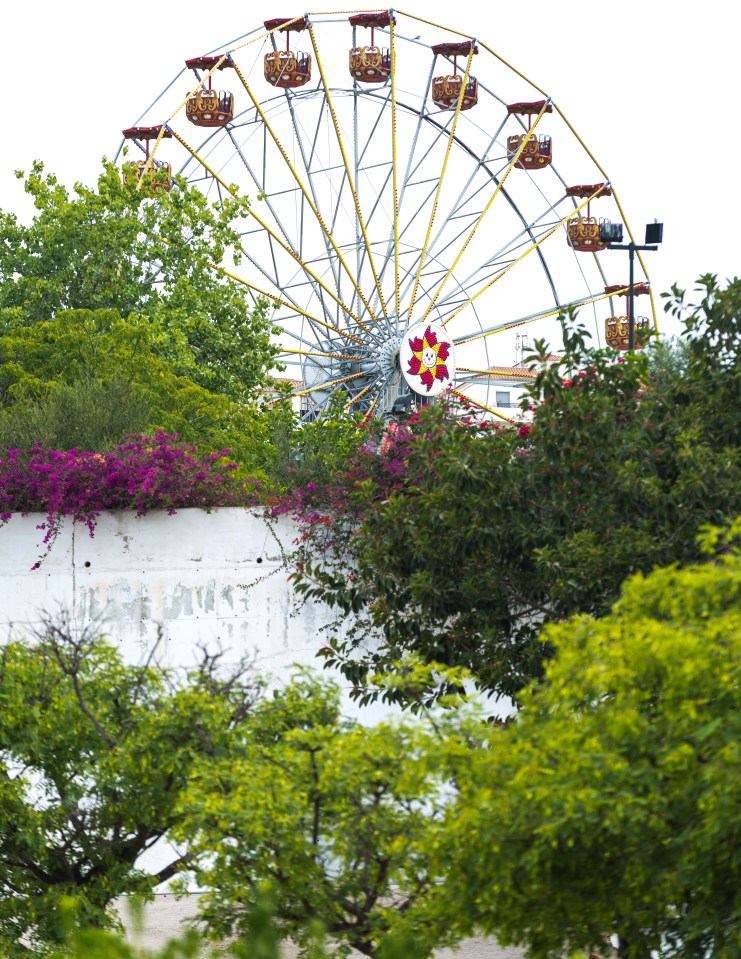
x=181 y=580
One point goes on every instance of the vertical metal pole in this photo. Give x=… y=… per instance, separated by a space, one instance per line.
x=631 y=315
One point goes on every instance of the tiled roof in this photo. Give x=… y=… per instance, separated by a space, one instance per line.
x=294 y=384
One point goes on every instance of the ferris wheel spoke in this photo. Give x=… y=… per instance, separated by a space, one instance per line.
x=309 y=153
x=309 y=197
x=326 y=384
x=361 y=164
x=266 y=229
x=534 y=317
x=309 y=200
x=482 y=215
x=493 y=176
x=488 y=409
x=529 y=233
x=512 y=265
x=334 y=356
x=465 y=196
x=504 y=257
x=358 y=396
x=352 y=184
x=260 y=182
x=311 y=345
x=284 y=300
x=380 y=205
x=448 y=149
x=256 y=291
x=399 y=197
x=274 y=279
x=318 y=326
x=374 y=298
x=504 y=371
x=442 y=133
x=410 y=269
x=272 y=235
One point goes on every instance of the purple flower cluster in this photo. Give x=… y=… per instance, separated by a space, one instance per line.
x=145 y=473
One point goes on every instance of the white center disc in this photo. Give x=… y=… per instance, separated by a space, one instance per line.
x=427 y=359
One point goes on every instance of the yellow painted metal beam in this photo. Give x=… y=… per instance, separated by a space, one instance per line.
x=479 y=219
x=534 y=319
x=282 y=243
x=348 y=173
x=481 y=406
x=519 y=259
x=306 y=196
x=448 y=149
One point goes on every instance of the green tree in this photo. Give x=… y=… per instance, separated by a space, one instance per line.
x=611 y=804
x=86 y=378
x=91 y=415
x=336 y=819
x=95 y=755
x=486 y=534
x=147 y=252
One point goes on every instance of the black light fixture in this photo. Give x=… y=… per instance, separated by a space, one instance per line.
x=654 y=232
x=654 y=236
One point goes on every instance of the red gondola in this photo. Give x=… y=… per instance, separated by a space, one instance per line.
x=617 y=328
x=371 y=64
x=158 y=173
x=583 y=231
x=208 y=107
x=287 y=68
x=537 y=151
x=446 y=91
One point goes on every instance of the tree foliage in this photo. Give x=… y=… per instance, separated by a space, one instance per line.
x=127 y=368
x=95 y=755
x=607 y=805
x=116 y=317
x=611 y=804
x=90 y=415
x=486 y=534
x=336 y=820
x=145 y=252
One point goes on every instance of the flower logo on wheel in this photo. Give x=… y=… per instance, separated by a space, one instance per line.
x=427 y=359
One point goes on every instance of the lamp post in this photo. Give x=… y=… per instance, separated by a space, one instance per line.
x=612 y=235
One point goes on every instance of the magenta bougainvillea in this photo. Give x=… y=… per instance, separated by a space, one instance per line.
x=142 y=474
x=326 y=512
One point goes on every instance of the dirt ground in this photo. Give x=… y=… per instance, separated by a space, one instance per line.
x=167 y=916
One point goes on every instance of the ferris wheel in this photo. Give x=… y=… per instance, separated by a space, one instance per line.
x=415 y=202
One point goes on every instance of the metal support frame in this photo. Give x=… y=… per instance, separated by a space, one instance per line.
x=631 y=248
x=348 y=275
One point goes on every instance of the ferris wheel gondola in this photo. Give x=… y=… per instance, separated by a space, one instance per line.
x=404 y=221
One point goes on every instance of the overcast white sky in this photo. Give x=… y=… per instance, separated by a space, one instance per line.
x=649 y=86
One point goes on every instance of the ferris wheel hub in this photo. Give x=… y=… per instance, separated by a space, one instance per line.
x=388 y=354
